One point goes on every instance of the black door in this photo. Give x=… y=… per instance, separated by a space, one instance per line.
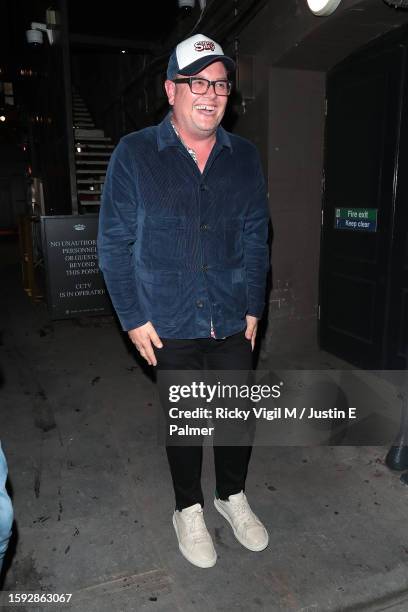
x=397 y=327
x=362 y=136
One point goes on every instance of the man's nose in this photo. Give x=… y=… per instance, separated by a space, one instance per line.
x=211 y=91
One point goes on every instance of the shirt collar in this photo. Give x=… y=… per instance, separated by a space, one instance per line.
x=167 y=137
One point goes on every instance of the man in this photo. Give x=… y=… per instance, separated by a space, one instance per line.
x=183 y=248
x=6 y=509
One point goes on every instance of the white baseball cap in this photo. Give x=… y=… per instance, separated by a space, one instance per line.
x=195 y=53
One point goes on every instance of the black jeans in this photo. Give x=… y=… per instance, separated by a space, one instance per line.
x=231 y=462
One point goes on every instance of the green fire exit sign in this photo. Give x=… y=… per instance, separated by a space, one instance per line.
x=356 y=219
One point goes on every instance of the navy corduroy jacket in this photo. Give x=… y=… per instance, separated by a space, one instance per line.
x=178 y=247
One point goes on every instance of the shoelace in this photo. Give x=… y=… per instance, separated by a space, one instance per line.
x=196 y=526
x=244 y=512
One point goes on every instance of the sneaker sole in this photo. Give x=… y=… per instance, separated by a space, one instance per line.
x=227 y=518
x=185 y=554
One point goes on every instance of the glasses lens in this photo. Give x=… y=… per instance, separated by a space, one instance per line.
x=222 y=88
x=199 y=86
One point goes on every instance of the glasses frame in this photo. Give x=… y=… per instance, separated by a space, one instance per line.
x=190 y=80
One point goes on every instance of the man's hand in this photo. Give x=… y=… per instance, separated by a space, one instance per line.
x=250 y=332
x=143 y=337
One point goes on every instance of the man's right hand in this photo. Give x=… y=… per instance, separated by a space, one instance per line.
x=143 y=337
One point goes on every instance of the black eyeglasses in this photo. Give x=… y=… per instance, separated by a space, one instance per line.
x=201 y=86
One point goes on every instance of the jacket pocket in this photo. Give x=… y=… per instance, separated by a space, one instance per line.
x=160 y=293
x=240 y=290
x=166 y=239
x=233 y=238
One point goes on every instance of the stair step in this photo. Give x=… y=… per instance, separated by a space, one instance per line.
x=90 y=202
x=97 y=181
x=98 y=171
x=94 y=138
x=92 y=154
x=91 y=145
x=85 y=133
x=91 y=162
x=89 y=192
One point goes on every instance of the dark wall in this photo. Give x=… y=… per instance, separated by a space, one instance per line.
x=38 y=75
x=296 y=134
x=13 y=184
x=48 y=131
x=291 y=52
x=51 y=136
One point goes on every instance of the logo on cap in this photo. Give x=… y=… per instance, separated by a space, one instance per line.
x=204 y=45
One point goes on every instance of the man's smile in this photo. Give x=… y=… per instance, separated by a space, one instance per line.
x=206 y=109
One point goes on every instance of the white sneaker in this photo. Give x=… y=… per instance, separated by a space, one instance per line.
x=195 y=542
x=246 y=526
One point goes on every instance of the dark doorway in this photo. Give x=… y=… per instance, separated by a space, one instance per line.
x=7 y=219
x=363 y=318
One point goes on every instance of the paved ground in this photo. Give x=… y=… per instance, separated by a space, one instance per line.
x=93 y=499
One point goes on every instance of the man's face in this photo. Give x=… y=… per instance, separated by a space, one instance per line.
x=198 y=114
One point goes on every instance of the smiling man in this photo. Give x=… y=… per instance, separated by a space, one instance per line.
x=183 y=245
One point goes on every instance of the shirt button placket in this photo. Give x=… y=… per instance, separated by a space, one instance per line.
x=204 y=227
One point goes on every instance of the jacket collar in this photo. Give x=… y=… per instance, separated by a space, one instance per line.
x=167 y=137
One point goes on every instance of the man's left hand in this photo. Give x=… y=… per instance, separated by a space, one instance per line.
x=250 y=332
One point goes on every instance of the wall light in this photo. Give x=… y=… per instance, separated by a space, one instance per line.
x=2 y=117
x=322 y=8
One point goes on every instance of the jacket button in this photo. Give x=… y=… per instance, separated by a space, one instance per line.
x=204 y=227
x=205 y=268
x=199 y=304
x=203 y=187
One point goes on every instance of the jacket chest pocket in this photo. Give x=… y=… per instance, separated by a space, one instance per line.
x=166 y=238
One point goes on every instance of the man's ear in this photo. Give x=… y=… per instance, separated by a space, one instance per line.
x=170 y=88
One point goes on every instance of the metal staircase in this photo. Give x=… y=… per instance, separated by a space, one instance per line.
x=92 y=152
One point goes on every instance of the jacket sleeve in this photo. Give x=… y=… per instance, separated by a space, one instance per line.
x=116 y=235
x=256 y=249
